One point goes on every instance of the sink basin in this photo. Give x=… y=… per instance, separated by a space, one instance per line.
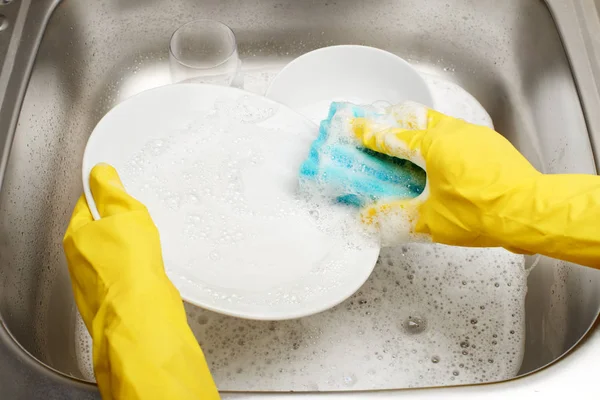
x=525 y=61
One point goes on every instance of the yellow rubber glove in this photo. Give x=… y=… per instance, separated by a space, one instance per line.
x=142 y=345
x=481 y=192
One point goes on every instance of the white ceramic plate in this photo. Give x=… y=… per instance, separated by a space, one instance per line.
x=217 y=168
x=358 y=74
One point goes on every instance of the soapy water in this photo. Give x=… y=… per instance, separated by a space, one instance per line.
x=429 y=315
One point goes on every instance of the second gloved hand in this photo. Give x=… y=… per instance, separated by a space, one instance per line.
x=480 y=191
x=142 y=345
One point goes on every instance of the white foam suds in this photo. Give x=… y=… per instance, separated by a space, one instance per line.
x=429 y=315
x=83 y=349
x=233 y=228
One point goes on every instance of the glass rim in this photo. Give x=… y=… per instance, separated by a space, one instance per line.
x=222 y=24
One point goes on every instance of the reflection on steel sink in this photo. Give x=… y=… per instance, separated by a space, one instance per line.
x=511 y=55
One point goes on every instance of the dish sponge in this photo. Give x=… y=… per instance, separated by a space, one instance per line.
x=339 y=167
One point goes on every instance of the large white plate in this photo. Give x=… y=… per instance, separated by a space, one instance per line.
x=217 y=168
x=353 y=73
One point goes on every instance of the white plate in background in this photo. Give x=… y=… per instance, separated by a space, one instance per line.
x=353 y=73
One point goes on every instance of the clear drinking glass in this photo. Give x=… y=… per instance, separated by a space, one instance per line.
x=204 y=51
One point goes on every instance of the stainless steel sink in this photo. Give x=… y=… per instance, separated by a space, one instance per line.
x=533 y=65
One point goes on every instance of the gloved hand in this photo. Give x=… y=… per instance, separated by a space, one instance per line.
x=142 y=345
x=480 y=191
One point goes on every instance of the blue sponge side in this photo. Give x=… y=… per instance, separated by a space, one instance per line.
x=352 y=174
